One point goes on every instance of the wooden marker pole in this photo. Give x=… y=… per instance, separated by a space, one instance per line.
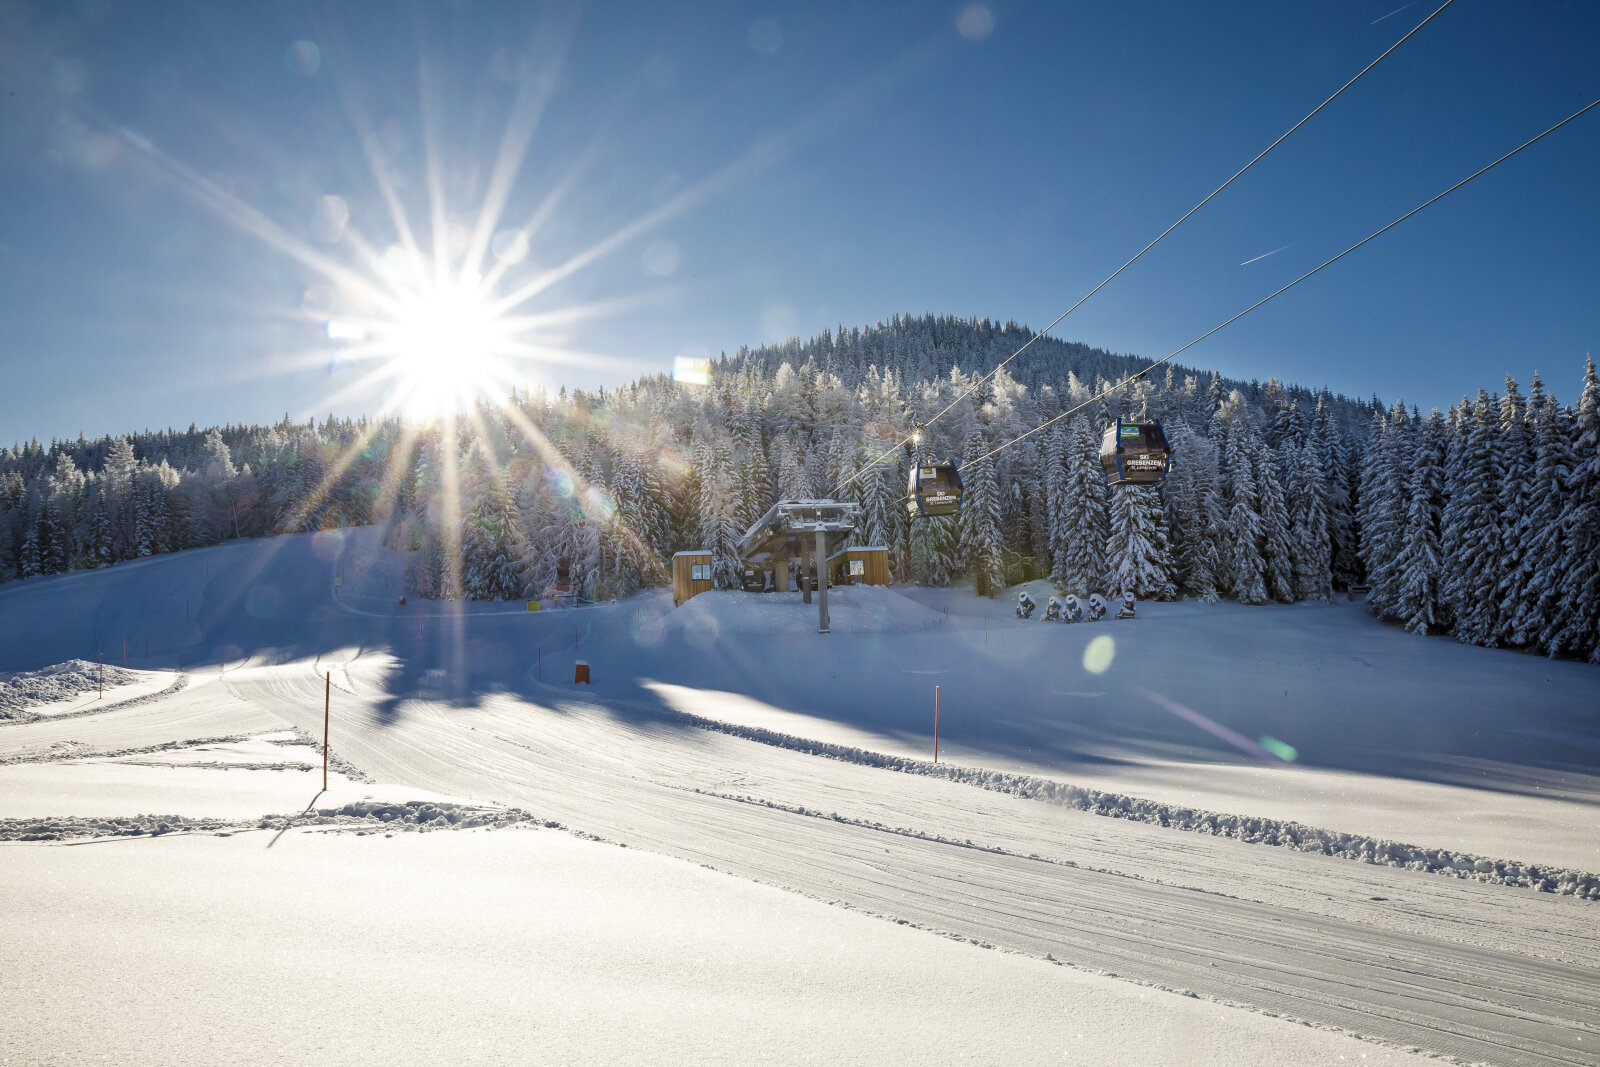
x=936 y=724
x=327 y=704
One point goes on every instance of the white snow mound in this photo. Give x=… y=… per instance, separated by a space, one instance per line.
x=63 y=681
x=851 y=609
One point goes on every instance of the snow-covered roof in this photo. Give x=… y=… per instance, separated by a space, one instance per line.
x=693 y=552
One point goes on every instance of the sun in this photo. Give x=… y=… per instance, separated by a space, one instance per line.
x=444 y=348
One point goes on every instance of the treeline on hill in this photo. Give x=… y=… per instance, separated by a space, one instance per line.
x=1482 y=521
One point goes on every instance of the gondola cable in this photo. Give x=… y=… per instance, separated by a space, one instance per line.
x=1026 y=345
x=1139 y=374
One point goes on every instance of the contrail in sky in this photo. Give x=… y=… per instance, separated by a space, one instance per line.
x=1264 y=255
x=1396 y=11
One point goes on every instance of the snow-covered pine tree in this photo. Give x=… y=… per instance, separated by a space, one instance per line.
x=793 y=477
x=1056 y=445
x=1137 y=560
x=750 y=466
x=1419 y=566
x=1338 y=469
x=1241 y=534
x=494 y=545
x=979 y=519
x=1513 y=506
x=1277 y=551
x=933 y=550
x=120 y=468
x=1382 y=506
x=1190 y=528
x=719 y=507
x=1576 y=628
x=1470 y=530
x=1538 y=577
x=1084 y=512
x=30 y=562
x=1308 y=523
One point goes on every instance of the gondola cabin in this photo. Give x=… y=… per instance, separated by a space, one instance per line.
x=934 y=489
x=1135 y=453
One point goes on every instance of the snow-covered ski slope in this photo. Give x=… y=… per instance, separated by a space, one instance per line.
x=692 y=742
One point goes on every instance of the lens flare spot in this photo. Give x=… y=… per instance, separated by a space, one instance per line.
x=327 y=545
x=691 y=371
x=660 y=259
x=674 y=462
x=597 y=504
x=261 y=602
x=1098 y=655
x=766 y=36
x=345 y=331
x=303 y=57
x=560 y=481
x=975 y=23
x=1282 y=749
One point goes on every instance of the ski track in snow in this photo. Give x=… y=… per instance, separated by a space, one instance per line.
x=1465 y=1001
x=1466 y=970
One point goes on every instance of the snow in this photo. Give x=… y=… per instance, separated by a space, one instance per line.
x=240 y=779
x=729 y=735
x=851 y=609
x=73 y=686
x=528 y=947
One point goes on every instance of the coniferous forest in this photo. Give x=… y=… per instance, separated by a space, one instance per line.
x=1482 y=521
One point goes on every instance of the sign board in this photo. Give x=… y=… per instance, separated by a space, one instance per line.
x=338 y=581
x=1130 y=431
x=533 y=605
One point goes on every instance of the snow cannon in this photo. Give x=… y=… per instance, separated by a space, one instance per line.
x=1073 y=609
x=1097 y=607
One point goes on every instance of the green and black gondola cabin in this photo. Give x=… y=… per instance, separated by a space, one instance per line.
x=1135 y=453
x=934 y=489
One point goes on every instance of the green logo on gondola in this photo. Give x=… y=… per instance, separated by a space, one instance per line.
x=1130 y=431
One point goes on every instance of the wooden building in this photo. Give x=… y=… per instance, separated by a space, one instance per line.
x=691 y=575
x=859 y=566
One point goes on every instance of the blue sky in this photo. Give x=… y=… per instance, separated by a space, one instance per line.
x=171 y=249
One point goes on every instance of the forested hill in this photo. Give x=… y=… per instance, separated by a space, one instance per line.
x=1484 y=520
x=925 y=348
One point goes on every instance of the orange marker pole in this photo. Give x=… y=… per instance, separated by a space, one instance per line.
x=327 y=704
x=936 y=724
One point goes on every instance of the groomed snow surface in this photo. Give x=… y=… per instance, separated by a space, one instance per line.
x=1313 y=817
